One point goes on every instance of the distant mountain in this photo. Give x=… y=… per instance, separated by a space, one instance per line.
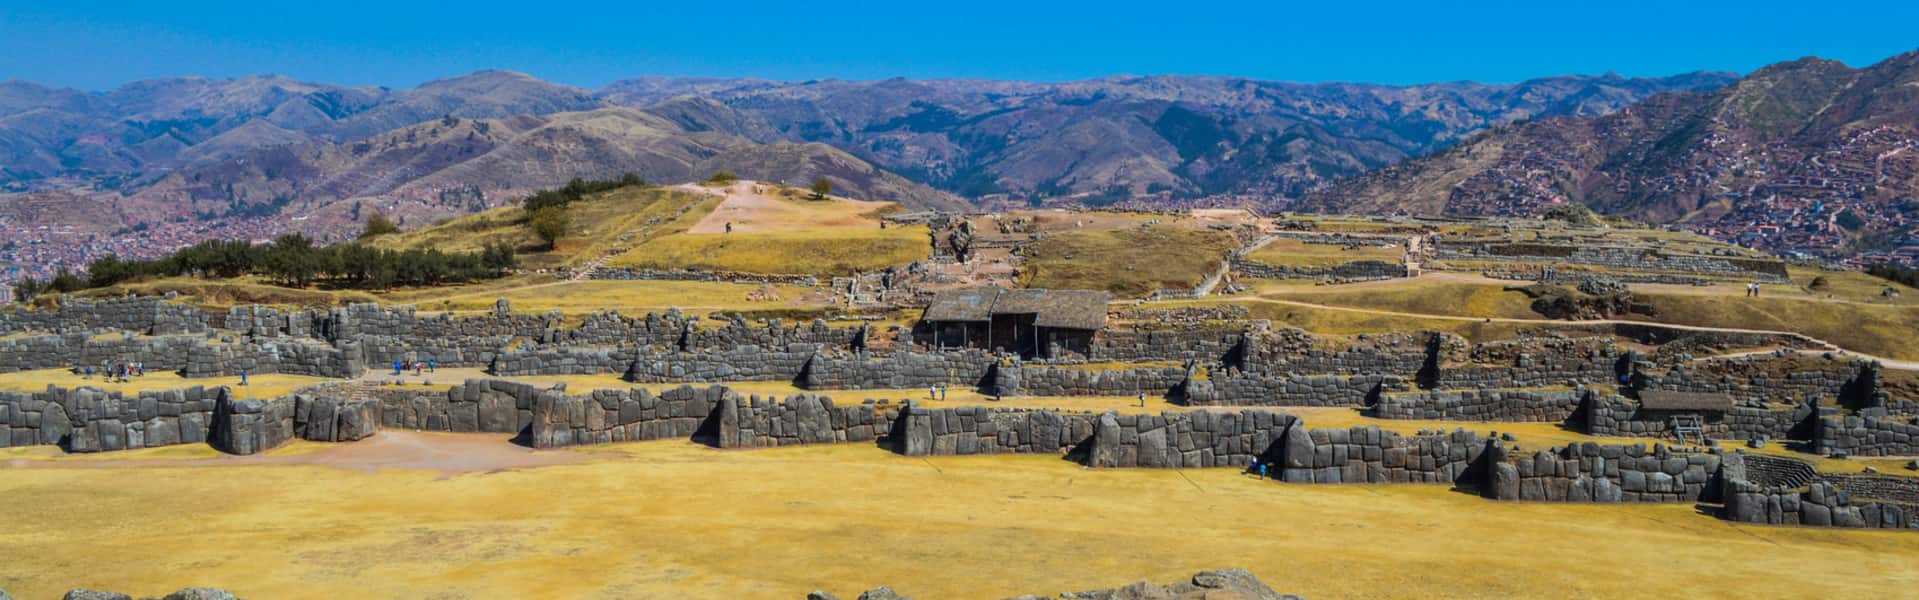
x=128 y=137
x=1807 y=155
x=1167 y=136
x=451 y=165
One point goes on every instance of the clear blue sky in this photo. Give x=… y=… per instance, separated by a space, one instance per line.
x=104 y=44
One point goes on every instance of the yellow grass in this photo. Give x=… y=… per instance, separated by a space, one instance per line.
x=668 y=519
x=1130 y=262
x=265 y=385
x=629 y=297
x=598 y=222
x=814 y=252
x=1422 y=297
x=1298 y=253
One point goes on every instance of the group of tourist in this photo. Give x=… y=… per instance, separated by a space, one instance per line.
x=1752 y=290
x=418 y=367
x=116 y=372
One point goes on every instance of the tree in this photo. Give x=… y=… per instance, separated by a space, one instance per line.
x=378 y=224
x=821 y=187
x=723 y=177
x=551 y=223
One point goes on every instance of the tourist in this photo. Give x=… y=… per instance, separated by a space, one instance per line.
x=1142 y=399
x=396 y=367
x=1253 y=468
x=89 y=374
x=243 y=376
x=1262 y=472
x=432 y=366
x=942 y=392
x=419 y=368
x=729 y=227
x=932 y=392
x=999 y=392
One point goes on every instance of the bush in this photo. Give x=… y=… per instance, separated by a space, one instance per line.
x=377 y=225
x=723 y=177
x=576 y=189
x=551 y=223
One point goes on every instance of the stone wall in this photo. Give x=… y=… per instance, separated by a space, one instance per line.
x=145 y=315
x=1591 y=472
x=1818 y=503
x=1481 y=405
x=1371 y=455
x=1186 y=440
x=1208 y=345
x=1358 y=270
x=984 y=430
x=1040 y=380
x=631 y=415
x=252 y=426
x=800 y=419
x=1865 y=436
x=1618 y=257
x=1612 y=415
x=92 y=420
x=1304 y=390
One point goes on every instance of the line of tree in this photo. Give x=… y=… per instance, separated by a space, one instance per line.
x=576 y=189
x=1895 y=273
x=291 y=259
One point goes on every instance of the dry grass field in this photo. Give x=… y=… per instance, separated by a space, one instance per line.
x=1298 y=253
x=1130 y=261
x=671 y=519
x=825 y=252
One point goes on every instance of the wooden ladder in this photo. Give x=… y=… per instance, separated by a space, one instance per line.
x=1685 y=424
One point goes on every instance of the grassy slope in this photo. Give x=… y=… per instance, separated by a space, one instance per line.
x=1298 y=253
x=1129 y=262
x=823 y=252
x=775 y=523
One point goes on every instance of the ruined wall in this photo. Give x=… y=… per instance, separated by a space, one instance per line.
x=1041 y=380
x=1612 y=415
x=145 y=315
x=1752 y=496
x=983 y=430
x=800 y=419
x=608 y=416
x=1186 y=440
x=1208 y=345
x=1480 y=405
x=1305 y=390
x=1865 y=436
x=1358 y=270
x=1591 y=472
x=92 y=420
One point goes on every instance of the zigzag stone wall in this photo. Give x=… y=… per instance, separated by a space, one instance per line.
x=1865 y=436
x=1591 y=472
x=1481 y=405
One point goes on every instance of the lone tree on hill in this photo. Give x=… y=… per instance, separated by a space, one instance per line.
x=551 y=223
x=821 y=187
x=378 y=224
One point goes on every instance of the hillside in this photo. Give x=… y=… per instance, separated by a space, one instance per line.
x=1806 y=156
x=452 y=166
x=1170 y=137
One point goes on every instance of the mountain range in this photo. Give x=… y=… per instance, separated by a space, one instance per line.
x=238 y=144
x=1808 y=156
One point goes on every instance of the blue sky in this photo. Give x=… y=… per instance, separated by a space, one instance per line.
x=99 y=45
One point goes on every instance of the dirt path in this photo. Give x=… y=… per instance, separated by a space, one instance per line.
x=755 y=207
